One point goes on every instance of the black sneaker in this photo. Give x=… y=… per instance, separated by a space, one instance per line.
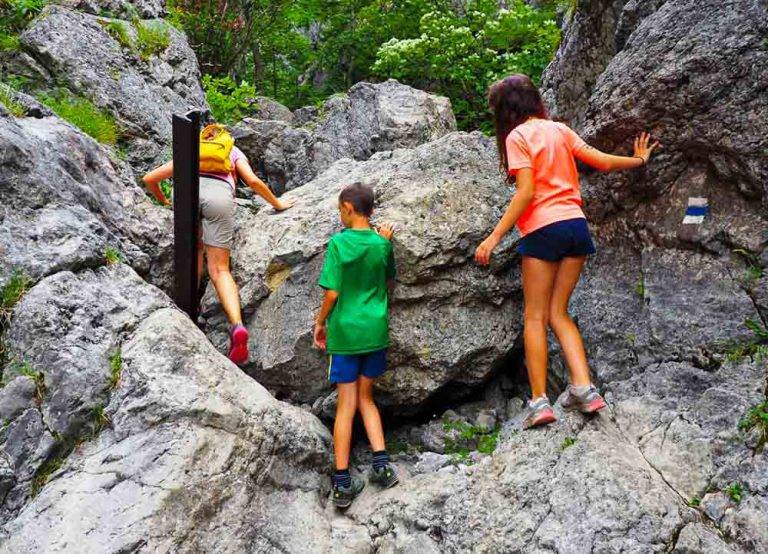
x=385 y=477
x=342 y=497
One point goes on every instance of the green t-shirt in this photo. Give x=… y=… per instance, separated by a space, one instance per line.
x=357 y=265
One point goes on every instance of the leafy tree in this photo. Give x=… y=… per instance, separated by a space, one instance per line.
x=460 y=54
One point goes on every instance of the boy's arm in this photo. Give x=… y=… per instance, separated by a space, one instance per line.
x=320 y=334
x=153 y=178
x=260 y=187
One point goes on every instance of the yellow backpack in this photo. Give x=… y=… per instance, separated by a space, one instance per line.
x=215 y=146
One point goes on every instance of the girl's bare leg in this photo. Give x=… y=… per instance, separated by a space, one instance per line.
x=538 y=281
x=565 y=329
x=224 y=283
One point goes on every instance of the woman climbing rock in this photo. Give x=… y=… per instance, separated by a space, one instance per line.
x=555 y=240
x=221 y=162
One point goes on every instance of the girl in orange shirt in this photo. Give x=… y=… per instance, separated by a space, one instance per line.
x=555 y=242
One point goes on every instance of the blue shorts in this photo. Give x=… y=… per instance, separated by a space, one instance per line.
x=558 y=240
x=346 y=368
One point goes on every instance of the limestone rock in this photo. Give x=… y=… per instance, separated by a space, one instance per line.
x=140 y=93
x=453 y=323
x=65 y=201
x=370 y=118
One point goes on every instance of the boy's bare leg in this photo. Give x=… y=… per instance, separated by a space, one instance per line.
x=346 y=406
x=370 y=413
x=568 y=335
x=224 y=283
x=538 y=280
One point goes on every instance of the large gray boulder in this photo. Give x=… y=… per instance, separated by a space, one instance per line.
x=65 y=201
x=370 y=118
x=125 y=9
x=190 y=445
x=453 y=323
x=141 y=94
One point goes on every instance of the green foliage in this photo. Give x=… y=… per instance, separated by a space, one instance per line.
x=567 y=442
x=81 y=113
x=99 y=419
x=757 y=418
x=152 y=38
x=16 y=14
x=44 y=472
x=112 y=255
x=8 y=99
x=9 y=42
x=754 y=270
x=115 y=369
x=640 y=287
x=403 y=447
x=18 y=283
x=118 y=31
x=734 y=491
x=463 y=438
x=17 y=368
x=461 y=54
x=694 y=502
x=229 y=101
x=166 y=185
x=757 y=328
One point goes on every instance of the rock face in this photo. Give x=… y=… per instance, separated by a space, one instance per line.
x=189 y=444
x=453 y=323
x=371 y=118
x=65 y=201
x=141 y=93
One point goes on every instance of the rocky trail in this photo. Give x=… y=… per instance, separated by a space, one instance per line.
x=124 y=428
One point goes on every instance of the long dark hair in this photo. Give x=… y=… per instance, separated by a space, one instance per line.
x=513 y=100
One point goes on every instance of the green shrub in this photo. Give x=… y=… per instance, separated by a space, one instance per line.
x=9 y=42
x=229 y=101
x=16 y=14
x=152 y=38
x=460 y=53
x=81 y=113
x=8 y=99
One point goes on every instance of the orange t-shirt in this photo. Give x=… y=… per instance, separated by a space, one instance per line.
x=547 y=147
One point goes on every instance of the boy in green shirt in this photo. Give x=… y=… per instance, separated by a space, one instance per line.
x=353 y=327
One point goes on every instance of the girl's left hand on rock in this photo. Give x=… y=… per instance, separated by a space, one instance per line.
x=484 y=251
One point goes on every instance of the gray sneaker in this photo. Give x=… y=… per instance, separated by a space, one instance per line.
x=540 y=412
x=385 y=477
x=587 y=402
x=342 y=497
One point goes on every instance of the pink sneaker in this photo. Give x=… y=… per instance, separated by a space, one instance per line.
x=238 y=344
x=540 y=412
x=587 y=402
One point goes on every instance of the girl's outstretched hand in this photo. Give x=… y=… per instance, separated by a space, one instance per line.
x=484 y=251
x=642 y=150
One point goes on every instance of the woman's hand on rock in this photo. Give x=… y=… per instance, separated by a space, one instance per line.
x=283 y=205
x=386 y=230
x=484 y=251
x=642 y=150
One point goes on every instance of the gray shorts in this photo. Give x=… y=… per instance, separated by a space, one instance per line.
x=217 y=208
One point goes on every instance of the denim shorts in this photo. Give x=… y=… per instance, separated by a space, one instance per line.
x=558 y=240
x=346 y=368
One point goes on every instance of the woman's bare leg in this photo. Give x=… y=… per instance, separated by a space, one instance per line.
x=224 y=283
x=565 y=329
x=538 y=280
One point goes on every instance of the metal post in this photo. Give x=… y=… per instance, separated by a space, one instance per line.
x=186 y=211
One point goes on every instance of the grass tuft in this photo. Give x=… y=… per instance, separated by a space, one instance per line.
x=10 y=294
x=734 y=491
x=44 y=472
x=640 y=288
x=118 y=31
x=115 y=369
x=112 y=255
x=99 y=419
x=8 y=99
x=152 y=38
x=567 y=442
x=694 y=502
x=757 y=418
x=465 y=438
x=84 y=115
